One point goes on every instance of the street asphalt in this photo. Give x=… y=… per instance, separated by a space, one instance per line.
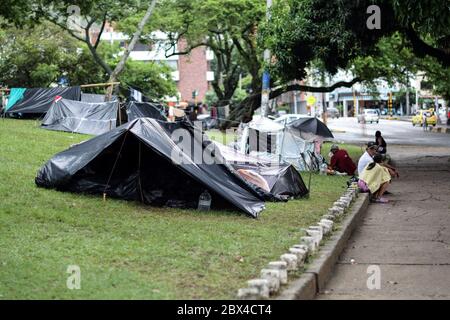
x=408 y=239
x=394 y=132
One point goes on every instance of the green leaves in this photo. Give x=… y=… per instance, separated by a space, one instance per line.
x=152 y=78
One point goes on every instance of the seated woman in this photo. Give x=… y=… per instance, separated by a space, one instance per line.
x=375 y=178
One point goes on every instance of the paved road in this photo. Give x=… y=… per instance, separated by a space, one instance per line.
x=409 y=238
x=394 y=131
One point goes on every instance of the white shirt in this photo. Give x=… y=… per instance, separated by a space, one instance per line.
x=364 y=161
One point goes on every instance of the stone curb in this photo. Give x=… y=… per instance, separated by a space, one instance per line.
x=440 y=130
x=313 y=280
x=274 y=278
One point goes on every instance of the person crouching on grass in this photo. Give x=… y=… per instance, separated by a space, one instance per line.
x=341 y=161
x=375 y=178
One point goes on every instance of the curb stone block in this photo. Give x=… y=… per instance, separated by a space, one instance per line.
x=304 y=254
x=337 y=211
x=249 y=294
x=340 y=204
x=261 y=285
x=281 y=266
x=316 y=227
x=304 y=247
x=273 y=277
x=328 y=223
x=326 y=227
x=310 y=242
x=316 y=235
x=333 y=211
x=347 y=198
x=319 y=271
x=345 y=202
x=301 y=255
x=291 y=261
x=329 y=217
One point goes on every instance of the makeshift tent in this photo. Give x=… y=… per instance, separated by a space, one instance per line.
x=311 y=127
x=136 y=162
x=282 y=179
x=81 y=117
x=37 y=101
x=15 y=95
x=95 y=98
x=267 y=139
x=145 y=110
x=92 y=98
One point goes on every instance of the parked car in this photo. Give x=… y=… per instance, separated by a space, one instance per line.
x=430 y=116
x=333 y=113
x=369 y=116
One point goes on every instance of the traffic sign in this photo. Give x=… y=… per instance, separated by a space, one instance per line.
x=311 y=100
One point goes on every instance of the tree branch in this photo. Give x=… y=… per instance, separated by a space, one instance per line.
x=121 y=65
x=422 y=48
x=187 y=51
x=297 y=87
x=101 y=31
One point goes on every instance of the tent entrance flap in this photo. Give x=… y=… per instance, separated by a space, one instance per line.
x=129 y=170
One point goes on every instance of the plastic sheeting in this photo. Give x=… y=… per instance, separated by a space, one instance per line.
x=39 y=100
x=95 y=98
x=283 y=179
x=135 y=162
x=273 y=142
x=81 y=117
x=15 y=95
x=137 y=110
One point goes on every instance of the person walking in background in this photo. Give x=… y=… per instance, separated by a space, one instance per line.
x=424 y=121
x=341 y=161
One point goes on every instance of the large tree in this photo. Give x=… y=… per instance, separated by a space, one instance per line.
x=38 y=56
x=82 y=19
x=336 y=32
x=227 y=27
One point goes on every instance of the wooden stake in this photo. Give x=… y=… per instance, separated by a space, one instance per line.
x=104 y=84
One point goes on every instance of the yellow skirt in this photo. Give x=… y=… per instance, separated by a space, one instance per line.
x=376 y=177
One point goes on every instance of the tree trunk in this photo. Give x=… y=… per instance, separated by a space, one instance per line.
x=121 y=65
x=408 y=106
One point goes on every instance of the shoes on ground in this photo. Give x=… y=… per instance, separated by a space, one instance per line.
x=381 y=200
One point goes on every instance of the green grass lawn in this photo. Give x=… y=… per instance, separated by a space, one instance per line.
x=126 y=250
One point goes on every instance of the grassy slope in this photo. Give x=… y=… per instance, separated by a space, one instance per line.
x=124 y=249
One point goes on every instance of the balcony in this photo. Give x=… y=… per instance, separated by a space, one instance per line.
x=175 y=75
x=209 y=76
x=209 y=55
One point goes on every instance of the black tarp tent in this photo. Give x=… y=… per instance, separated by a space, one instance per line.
x=144 y=110
x=136 y=162
x=37 y=101
x=81 y=117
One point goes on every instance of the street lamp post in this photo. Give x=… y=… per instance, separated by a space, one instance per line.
x=266 y=76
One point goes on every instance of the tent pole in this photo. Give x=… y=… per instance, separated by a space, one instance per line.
x=309 y=183
x=120 y=115
x=282 y=141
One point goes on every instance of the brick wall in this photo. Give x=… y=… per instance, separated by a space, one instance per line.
x=192 y=68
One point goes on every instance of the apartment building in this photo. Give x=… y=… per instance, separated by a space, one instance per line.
x=192 y=73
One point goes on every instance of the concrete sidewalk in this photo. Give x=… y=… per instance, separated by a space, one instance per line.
x=409 y=238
